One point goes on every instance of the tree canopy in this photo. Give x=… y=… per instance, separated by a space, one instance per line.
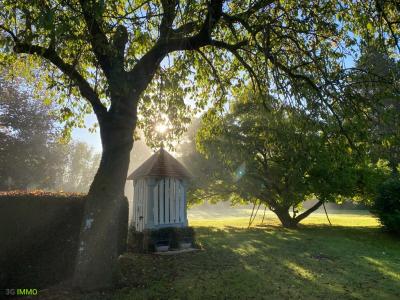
x=82 y=49
x=280 y=157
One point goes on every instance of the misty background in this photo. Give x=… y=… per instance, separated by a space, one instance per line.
x=35 y=155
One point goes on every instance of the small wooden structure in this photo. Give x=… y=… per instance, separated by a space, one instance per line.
x=159 y=197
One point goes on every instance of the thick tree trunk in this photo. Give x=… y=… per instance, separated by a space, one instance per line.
x=288 y=221
x=105 y=221
x=285 y=218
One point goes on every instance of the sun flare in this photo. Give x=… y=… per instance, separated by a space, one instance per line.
x=161 y=128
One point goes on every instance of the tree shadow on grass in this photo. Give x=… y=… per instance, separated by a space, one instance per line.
x=271 y=262
x=314 y=262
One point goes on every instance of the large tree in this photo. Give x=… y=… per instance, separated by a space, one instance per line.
x=121 y=55
x=279 y=158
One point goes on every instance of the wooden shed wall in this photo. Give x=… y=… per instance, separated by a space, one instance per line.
x=139 y=215
x=158 y=203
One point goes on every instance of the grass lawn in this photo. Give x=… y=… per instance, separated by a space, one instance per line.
x=353 y=259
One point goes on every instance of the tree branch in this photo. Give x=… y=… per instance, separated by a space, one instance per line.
x=309 y=211
x=120 y=39
x=254 y=8
x=381 y=8
x=214 y=71
x=146 y=67
x=51 y=55
x=311 y=83
x=184 y=29
x=169 y=14
x=246 y=14
x=98 y=39
x=214 y=13
x=9 y=32
x=233 y=49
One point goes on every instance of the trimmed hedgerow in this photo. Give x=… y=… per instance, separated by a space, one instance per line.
x=39 y=234
x=386 y=205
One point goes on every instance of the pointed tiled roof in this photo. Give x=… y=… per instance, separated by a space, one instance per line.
x=160 y=164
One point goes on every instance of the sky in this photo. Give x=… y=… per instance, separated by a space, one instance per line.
x=83 y=134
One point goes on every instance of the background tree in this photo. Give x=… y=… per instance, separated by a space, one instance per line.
x=204 y=170
x=280 y=157
x=32 y=153
x=125 y=55
x=80 y=166
x=29 y=152
x=375 y=87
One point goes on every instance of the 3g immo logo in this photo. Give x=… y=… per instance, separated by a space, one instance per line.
x=21 y=292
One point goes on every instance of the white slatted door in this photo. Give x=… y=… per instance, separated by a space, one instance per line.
x=172 y=201
x=161 y=201
x=134 y=204
x=139 y=205
x=168 y=200
x=176 y=190
x=166 y=195
x=156 y=209
x=181 y=202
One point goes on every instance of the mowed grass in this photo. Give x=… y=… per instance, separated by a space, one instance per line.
x=353 y=259
x=221 y=215
x=341 y=220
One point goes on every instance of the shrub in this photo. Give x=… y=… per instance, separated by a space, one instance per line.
x=386 y=205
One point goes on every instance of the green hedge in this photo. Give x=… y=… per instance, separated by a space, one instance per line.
x=386 y=205
x=39 y=234
x=147 y=240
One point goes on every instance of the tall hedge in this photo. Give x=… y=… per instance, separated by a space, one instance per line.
x=39 y=234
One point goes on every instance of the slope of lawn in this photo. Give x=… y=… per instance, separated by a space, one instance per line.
x=353 y=259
